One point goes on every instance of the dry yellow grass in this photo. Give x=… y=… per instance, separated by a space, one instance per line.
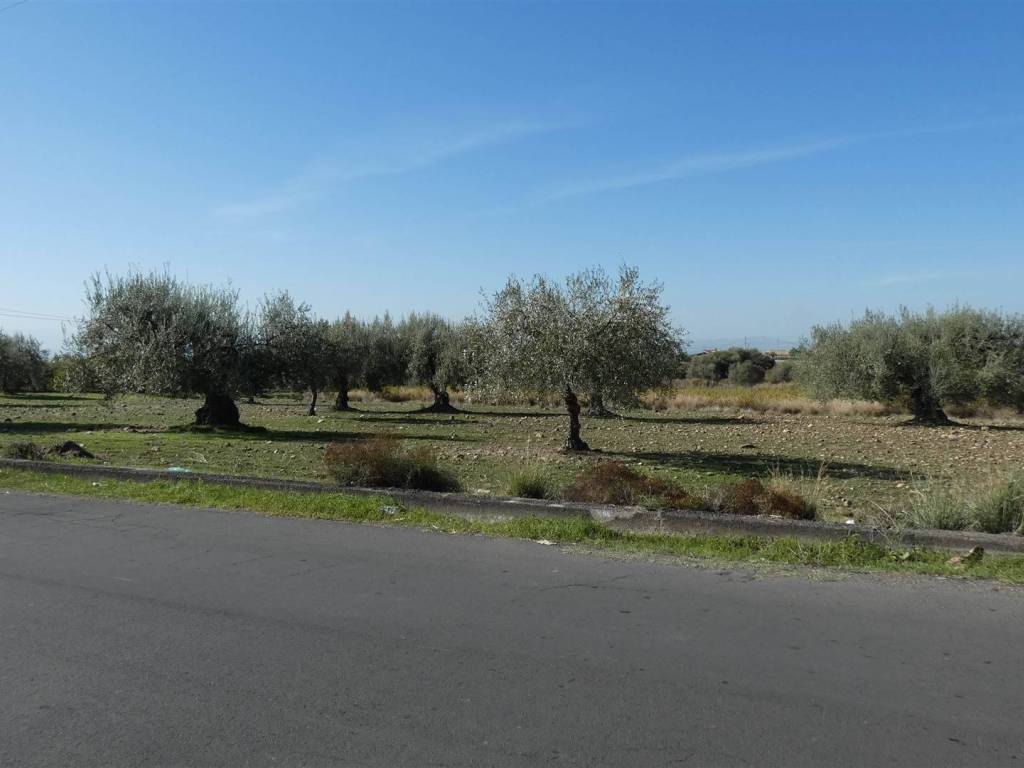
x=764 y=398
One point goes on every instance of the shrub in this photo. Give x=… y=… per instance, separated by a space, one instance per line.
x=531 y=483
x=718 y=364
x=781 y=373
x=745 y=374
x=382 y=462
x=25 y=450
x=614 y=482
x=752 y=497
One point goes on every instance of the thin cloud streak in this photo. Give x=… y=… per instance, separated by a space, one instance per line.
x=723 y=162
x=322 y=175
x=920 y=277
x=693 y=166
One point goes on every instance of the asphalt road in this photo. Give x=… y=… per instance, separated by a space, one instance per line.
x=135 y=635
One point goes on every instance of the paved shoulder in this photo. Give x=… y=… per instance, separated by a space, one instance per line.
x=160 y=635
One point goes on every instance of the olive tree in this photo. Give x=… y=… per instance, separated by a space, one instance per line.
x=438 y=357
x=387 y=354
x=23 y=363
x=348 y=353
x=151 y=333
x=930 y=359
x=256 y=366
x=593 y=334
x=299 y=344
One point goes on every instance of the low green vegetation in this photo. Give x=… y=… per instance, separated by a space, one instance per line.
x=532 y=483
x=383 y=462
x=851 y=553
x=995 y=505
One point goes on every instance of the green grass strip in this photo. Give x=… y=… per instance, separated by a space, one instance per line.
x=851 y=553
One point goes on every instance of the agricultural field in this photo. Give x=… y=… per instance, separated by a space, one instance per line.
x=855 y=460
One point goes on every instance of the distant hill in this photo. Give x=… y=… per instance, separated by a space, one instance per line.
x=756 y=342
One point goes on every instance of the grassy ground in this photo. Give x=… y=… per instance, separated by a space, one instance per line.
x=850 y=553
x=871 y=462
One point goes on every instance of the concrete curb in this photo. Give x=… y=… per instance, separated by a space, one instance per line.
x=620 y=518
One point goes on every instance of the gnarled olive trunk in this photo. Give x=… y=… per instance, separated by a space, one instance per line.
x=312 y=403
x=572 y=404
x=442 y=402
x=927 y=409
x=218 y=410
x=341 y=401
x=596 y=407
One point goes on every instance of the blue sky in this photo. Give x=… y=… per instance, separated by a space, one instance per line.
x=774 y=164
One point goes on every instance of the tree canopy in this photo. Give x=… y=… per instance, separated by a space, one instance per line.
x=299 y=343
x=151 y=333
x=592 y=334
x=438 y=357
x=23 y=363
x=930 y=359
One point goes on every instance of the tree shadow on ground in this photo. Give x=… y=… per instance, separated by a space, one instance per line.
x=522 y=414
x=5 y=405
x=417 y=420
x=328 y=436
x=973 y=427
x=51 y=396
x=16 y=427
x=690 y=419
x=759 y=464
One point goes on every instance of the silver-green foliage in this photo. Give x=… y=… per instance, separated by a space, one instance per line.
x=438 y=354
x=299 y=344
x=930 y=359
x=23 y=363
x=594 y=333
x=152 y=333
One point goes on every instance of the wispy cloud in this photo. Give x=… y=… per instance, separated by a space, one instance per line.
x=696 y=165
x=327 y=172
x=693 y=166
x=919 y=277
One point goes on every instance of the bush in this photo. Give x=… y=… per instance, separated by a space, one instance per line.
x=718 y=365
x=781 y=373
x=614 y=482
x=745 y=374
x=751 y=497
x=383 y=463
x=531 y=483
x=23 y=450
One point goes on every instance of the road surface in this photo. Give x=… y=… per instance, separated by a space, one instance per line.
x=137 y=635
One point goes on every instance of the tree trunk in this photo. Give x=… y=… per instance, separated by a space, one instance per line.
x=341 y=401
x=312 y=403
x=252 y=400
x=219 y=410
x=927 y=409
x=596 y=407
x=441 y=404
x=572 y=405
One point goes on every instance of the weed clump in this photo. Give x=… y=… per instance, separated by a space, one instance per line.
x=531 y=483
x=752 y=497
x=382 y=462
x=615 y=482
x=25 y=450
x=996 y=506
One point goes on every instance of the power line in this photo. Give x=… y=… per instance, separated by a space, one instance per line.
x=26 y=315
